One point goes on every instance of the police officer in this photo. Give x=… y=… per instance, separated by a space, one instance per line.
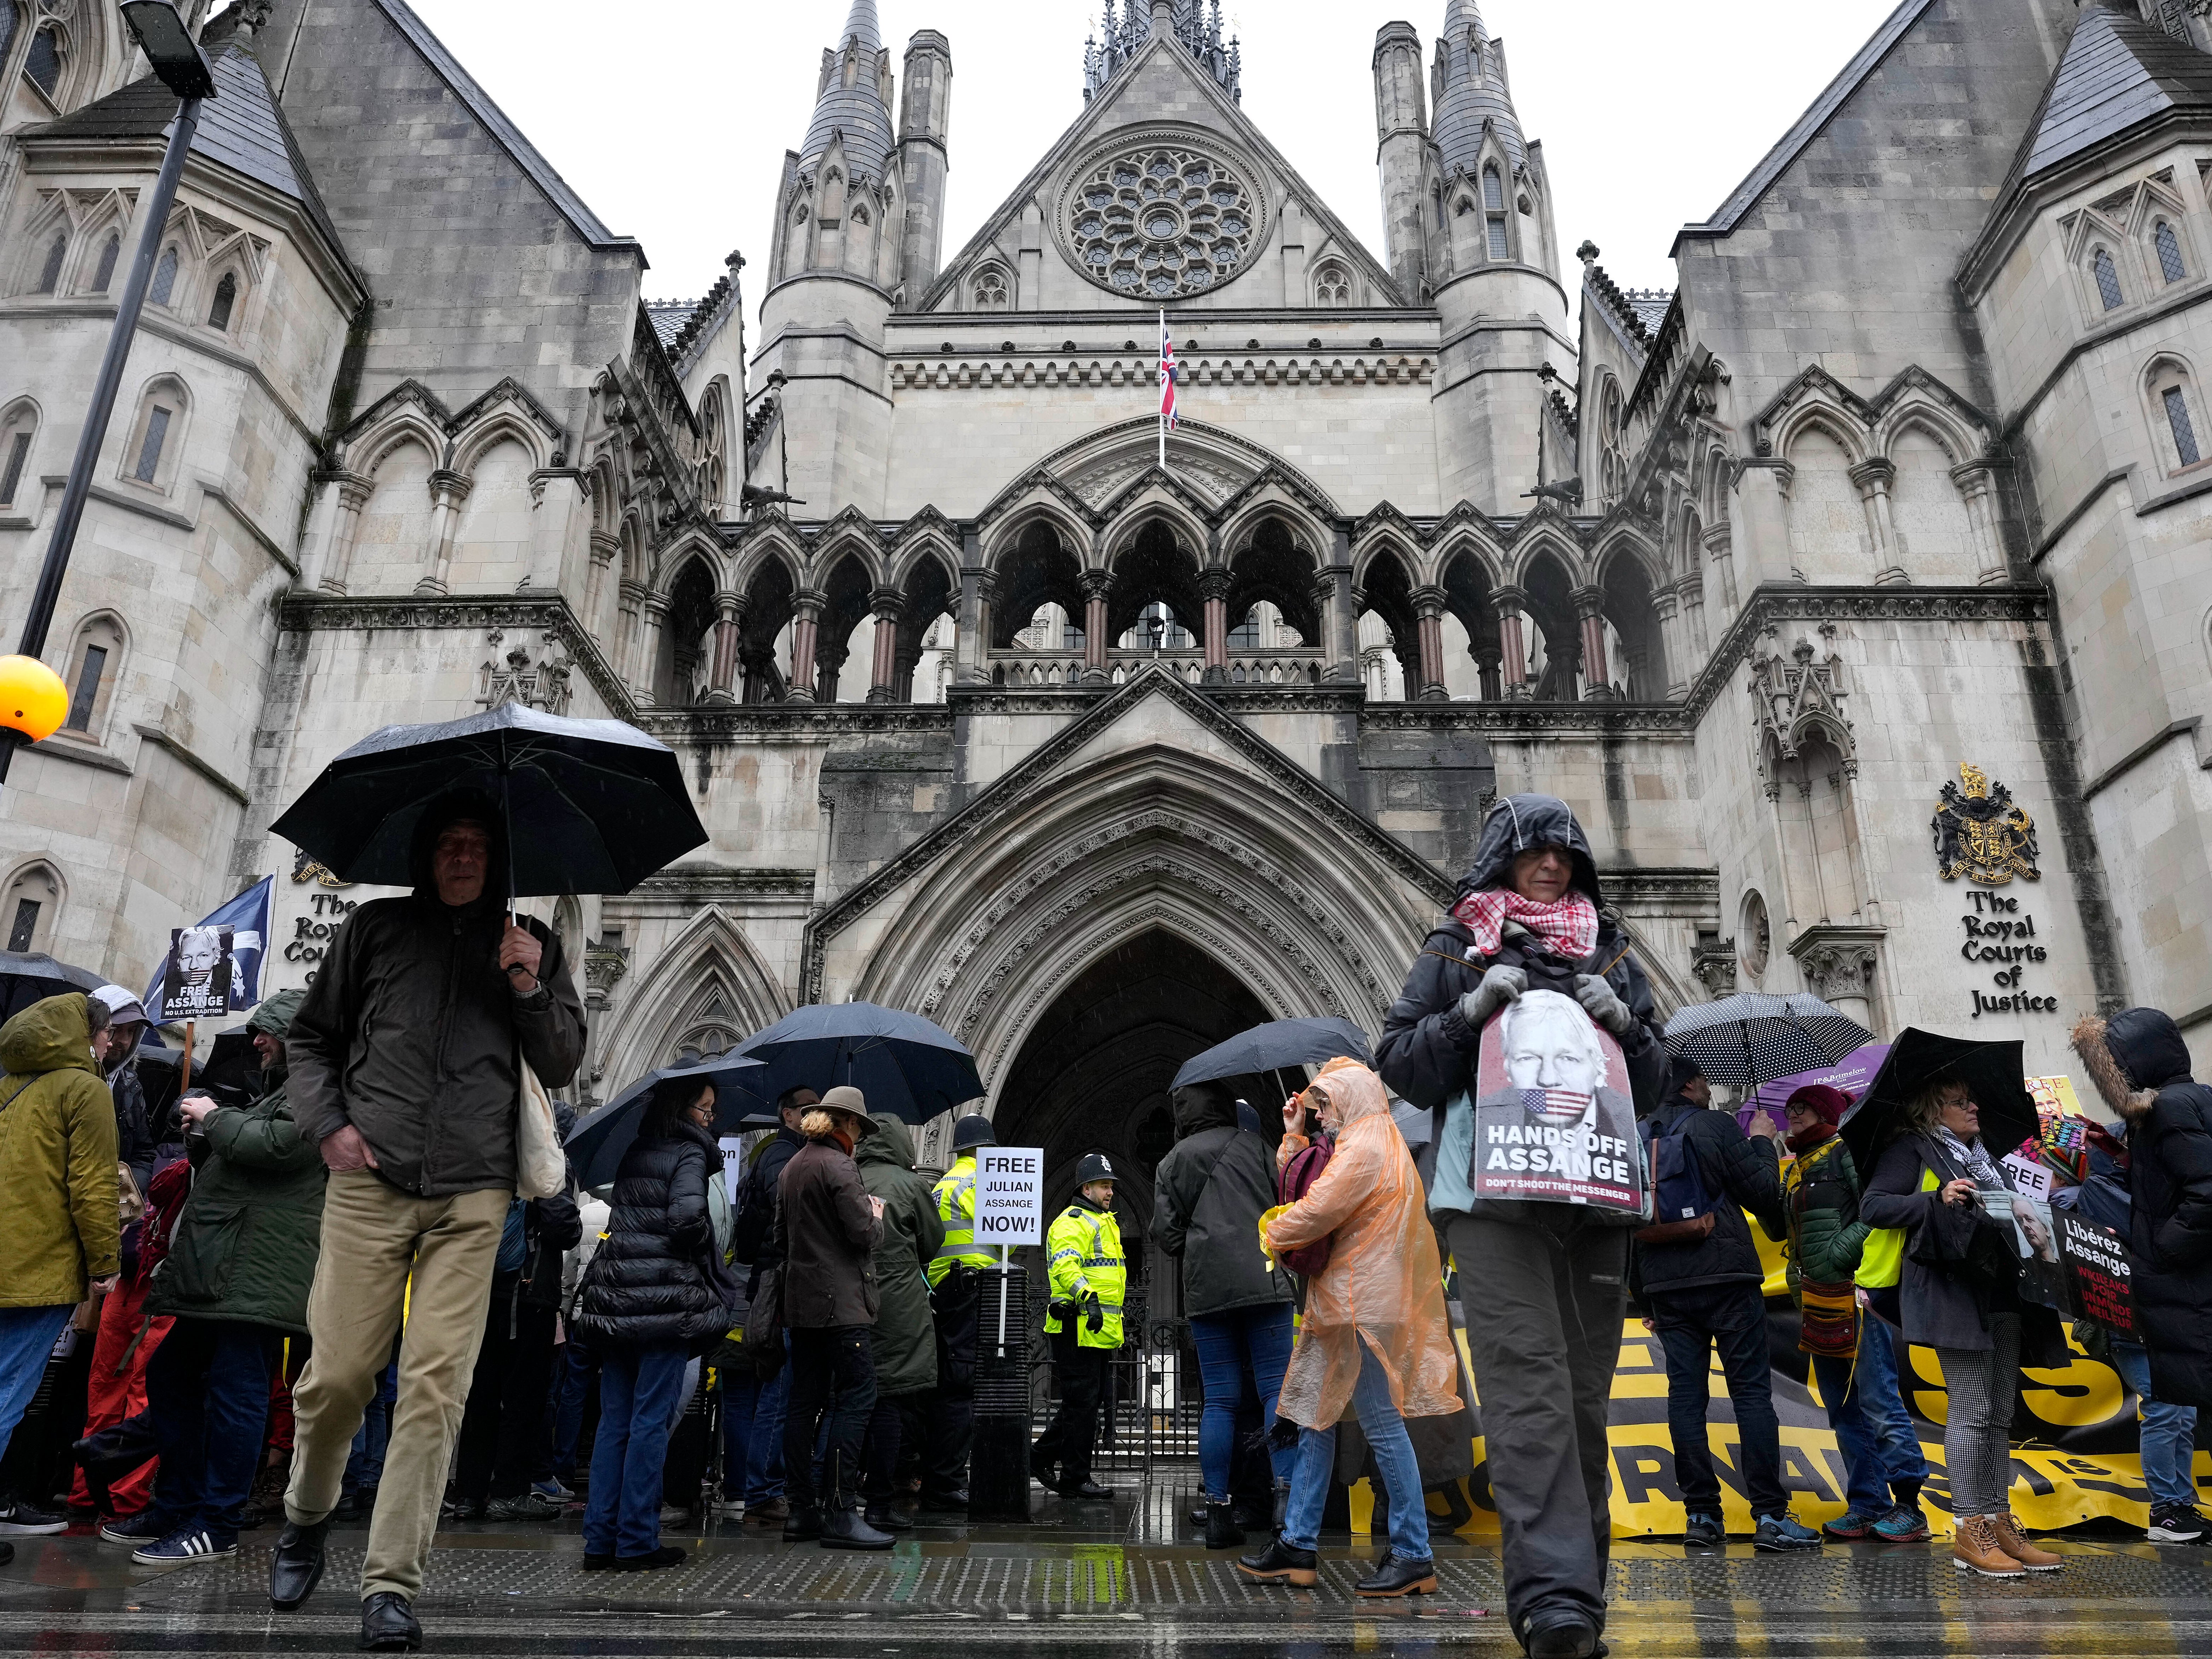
x=956 y=1292
x=1084 y=1263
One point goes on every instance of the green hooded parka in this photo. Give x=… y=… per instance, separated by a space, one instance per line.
x=58 y=1229
x=905 y=1335
x=248 y=1242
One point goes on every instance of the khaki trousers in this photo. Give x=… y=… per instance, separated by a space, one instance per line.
x=374 y=1236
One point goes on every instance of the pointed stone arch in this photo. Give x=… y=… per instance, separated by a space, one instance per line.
x=708 y=969
x=1152 y=809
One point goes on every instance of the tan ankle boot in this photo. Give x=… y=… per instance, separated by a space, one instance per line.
x=2005 y=1529
x=1974 y=1548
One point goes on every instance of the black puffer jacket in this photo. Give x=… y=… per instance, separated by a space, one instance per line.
x=649 y=1287
x=1740 y=1173
x=1427 y=1052
x=2170 y=1190
x=1209 y=1191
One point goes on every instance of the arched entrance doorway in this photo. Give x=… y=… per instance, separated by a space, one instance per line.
x=1093 y=1074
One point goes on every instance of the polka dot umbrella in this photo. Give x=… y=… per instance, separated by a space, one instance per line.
x=1749 y=1039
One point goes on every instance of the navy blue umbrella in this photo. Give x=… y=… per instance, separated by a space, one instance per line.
x=1277 y=1044
x=596 y=1145
x=905 y=1064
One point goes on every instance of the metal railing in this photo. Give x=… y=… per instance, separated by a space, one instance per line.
x=1288 y=667
x=1149 y=1416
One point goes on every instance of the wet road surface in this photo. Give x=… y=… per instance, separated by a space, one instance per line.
x=1098 y=1580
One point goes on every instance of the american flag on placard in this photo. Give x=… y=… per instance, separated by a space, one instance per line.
x=1554 y=1105
x=1167 y=375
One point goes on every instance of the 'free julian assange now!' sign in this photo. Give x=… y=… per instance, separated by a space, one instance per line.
x=1009 y=1195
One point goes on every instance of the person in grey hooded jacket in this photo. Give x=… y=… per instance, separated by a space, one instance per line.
x=1545 y=1283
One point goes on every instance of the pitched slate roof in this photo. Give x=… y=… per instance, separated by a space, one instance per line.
x=557 y=190
x=2117 y=72
x=240 y=127
x=669 y=318
x=1761 y=177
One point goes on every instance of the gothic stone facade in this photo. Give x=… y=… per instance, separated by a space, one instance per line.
x=1092 y=759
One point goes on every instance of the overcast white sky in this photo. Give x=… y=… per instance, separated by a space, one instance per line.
x=674 y=122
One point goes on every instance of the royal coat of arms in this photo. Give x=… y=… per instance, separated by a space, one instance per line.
x=1981 y=834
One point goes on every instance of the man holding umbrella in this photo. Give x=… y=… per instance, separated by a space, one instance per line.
x=404 y=1070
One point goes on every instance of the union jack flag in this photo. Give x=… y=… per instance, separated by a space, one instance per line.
x=1167 y=375
x=1554 y=1105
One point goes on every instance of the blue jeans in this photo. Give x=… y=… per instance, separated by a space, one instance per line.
x=28 y=1336
x=207 y=1387
x=1242 y=1344
x=571 y=1388
x=1883 y=1398
x=364 y=1467
x=764 y=1451
x=2168 y=1434
x=1394 y=1454
x=640 y=1391
x=1866 y=1481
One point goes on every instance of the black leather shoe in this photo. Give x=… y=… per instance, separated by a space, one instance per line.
x=884 y=1518
x=387 y=1625
x=949 y=1503
x=803 y=1527
x=1221 y=1532
x=1086 y=1490
x=1278 y=1564
x=842 y=1528
x=598 y=1563
x=295 y=1566
x=1571 y=1637
x=1393 y=1575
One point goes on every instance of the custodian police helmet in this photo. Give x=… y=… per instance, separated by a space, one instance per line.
x=1095 y=1167
x=971 y=1132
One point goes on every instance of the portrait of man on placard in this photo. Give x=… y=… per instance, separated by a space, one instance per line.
x=198 y=982
x=1553 y=1118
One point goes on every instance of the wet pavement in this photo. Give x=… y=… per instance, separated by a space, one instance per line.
x=1085 y=1580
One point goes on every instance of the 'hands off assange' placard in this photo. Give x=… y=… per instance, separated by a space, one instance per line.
x=1553 y=1118
x=1009 y=1195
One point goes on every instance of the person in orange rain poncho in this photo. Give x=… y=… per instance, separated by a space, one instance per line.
x=1376 y=1338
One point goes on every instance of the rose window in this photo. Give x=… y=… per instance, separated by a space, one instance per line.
x=1156 y=223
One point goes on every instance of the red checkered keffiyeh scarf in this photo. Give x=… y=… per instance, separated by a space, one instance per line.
x=1567 y=927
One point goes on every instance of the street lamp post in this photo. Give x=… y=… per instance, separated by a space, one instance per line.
x=176 y=59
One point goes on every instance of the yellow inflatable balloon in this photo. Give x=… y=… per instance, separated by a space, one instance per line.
x=33 y=699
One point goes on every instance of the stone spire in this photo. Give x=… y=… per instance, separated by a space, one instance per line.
x=1127 y=24
x=1470 y=91
x=853 y=101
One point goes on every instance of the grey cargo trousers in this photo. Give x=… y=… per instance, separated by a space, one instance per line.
x=1545 y=1299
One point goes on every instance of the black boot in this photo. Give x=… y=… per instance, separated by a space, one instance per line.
x=843 y=1529
x=388 y=1626
x=803 y=1525
x=1393 y=1575
x=295 y=1566
x=1221 y=1532
x=883 y=1516
x=1280 y=1563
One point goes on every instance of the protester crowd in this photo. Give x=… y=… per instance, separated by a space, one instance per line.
x=345 y=1277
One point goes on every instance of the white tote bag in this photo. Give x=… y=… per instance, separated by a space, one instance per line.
x=541 y=1169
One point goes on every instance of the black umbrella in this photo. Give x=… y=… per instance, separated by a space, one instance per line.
x=26 y=978
x=905 y=1064
x=596 y=1145
x=1993 y=1071
x=1747 y=1039
x=602 y=805
x=1271 y=1047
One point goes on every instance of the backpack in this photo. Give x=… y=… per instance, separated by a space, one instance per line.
x=1682 y=1208
x=1296 y=1179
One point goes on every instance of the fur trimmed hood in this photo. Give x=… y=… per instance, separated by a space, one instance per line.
x=2131 y=1057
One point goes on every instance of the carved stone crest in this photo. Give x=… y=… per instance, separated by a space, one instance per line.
x=1981 y=834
